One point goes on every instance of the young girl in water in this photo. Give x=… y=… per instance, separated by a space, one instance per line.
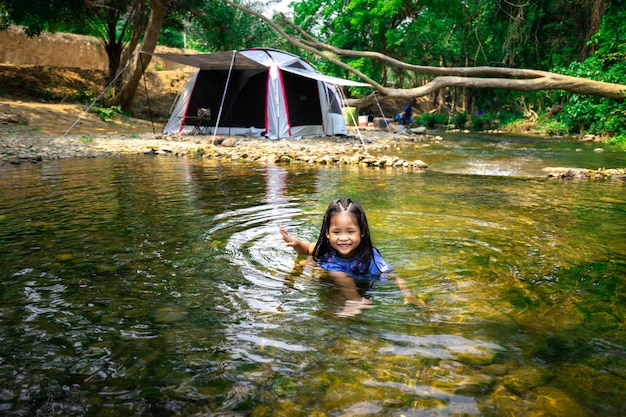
x=344 y=248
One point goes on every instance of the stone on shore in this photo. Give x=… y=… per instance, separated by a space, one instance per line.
x=383 y=123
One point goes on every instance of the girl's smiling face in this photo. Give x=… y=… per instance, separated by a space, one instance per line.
x=344 y=234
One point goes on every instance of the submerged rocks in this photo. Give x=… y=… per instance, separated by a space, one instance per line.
x=525 y=378
x=584 y=173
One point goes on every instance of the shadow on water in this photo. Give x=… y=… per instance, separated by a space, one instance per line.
x=160 y=286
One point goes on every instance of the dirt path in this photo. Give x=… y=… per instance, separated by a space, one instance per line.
x=26 y=117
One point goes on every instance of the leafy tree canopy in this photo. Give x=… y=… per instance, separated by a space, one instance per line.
x=41 y=15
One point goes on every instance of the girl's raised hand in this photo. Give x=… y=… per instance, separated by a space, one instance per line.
x=301 y=247
x=286 y=237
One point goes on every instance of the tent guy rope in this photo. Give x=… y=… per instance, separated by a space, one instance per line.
x=80 y=116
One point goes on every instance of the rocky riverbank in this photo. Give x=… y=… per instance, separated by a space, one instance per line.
x=381 y=149
x=367 y=148
x=31 y=132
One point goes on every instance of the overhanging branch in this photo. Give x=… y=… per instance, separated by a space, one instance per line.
x=517 y=79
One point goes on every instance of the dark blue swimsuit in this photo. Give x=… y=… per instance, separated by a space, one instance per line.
x=332 y=262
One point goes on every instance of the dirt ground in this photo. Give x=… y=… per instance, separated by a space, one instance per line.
x=49 y=101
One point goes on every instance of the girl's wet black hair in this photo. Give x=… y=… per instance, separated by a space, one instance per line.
x=365 y=251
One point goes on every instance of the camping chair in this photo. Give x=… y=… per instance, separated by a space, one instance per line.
x=203 y=122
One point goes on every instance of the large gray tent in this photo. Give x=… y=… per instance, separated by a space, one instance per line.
x=257 y=92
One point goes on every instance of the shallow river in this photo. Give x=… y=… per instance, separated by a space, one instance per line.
x=158 y=286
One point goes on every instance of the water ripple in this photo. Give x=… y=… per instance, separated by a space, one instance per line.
x=253 y=242
x=440 y=346
x=263 y=342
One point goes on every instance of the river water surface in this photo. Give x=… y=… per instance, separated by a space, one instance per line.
x=141 y=286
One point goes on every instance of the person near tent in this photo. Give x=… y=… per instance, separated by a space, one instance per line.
x=344 y=249
x=407 y=115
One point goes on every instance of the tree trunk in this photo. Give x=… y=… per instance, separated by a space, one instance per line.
x=597 y=8
x=125 y=96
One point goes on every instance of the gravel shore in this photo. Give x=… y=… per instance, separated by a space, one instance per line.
x=381 y=148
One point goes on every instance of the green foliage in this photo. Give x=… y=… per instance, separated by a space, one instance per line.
x=552 y=126
x=85 y=95
x=366 y=25
x=541 y=34
x=599 y=115
x=38 y=16
x=619 y=139
x=484 y=121
x=221 y=28
x=504 y=117
x=460 y=119
x=108 y=113
x=431 y=120
x=451 y=33
x=426 y=119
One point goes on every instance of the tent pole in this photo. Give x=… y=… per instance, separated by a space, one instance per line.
x=219 y=113
x=277 y=100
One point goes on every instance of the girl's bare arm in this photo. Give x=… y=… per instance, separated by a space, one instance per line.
x=300 y=246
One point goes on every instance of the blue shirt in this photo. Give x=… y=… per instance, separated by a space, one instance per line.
x=332 y=262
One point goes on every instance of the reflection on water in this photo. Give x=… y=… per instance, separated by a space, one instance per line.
x=149 y=286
